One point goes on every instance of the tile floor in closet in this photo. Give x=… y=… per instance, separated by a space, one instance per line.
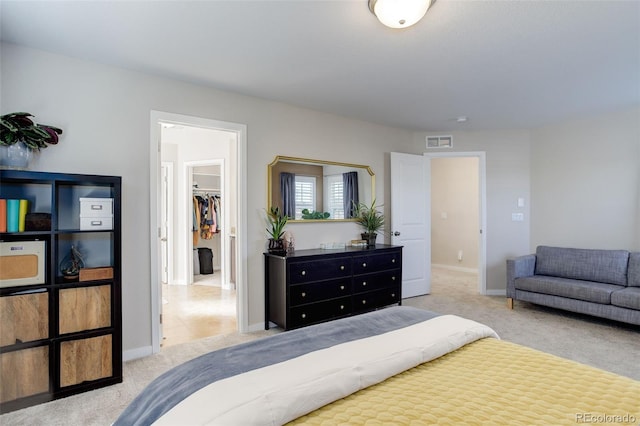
x=196 y=311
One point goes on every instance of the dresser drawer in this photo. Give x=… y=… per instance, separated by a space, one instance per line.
x=375 y=299
x=370 y=282
x=308 y=293
x=376 y=262
x=318 y=312
x=317 y=270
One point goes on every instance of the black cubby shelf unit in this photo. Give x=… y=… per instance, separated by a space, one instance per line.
x=60 y=336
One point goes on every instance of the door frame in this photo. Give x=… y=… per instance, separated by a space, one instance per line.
x=168 y=194
x=482 y=192
x=157 y=117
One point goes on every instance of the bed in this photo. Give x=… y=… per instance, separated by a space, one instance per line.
x=398 y=365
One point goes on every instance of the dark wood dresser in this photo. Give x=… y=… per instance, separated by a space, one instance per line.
x=312 y=286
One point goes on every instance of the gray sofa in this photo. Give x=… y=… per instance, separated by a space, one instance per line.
x=603 y=283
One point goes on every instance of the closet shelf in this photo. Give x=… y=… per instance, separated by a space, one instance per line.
x=206 y=189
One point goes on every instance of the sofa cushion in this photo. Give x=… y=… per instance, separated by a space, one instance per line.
x=627 y=298
x=633 y=273
x=604 y=266
x=564 y=287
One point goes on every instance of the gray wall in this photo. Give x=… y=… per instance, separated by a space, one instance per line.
x=585 y=183
x=105 y=114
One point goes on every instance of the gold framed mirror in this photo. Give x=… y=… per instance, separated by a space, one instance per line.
x=310 y=190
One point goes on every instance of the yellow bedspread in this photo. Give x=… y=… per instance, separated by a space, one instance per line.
x=490 y=382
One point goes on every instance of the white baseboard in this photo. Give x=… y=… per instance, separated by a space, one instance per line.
x=455 y=268
x=496 y=292
x=137 y=353
x=260 y=327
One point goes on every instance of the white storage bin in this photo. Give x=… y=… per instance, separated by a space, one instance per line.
x=96 y=207
x=97 y=223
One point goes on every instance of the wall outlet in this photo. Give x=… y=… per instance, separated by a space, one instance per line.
x=517 y=217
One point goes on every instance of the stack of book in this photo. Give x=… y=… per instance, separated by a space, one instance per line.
x=13 y=214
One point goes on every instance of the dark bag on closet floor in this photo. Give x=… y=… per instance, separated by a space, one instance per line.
x=205 y=255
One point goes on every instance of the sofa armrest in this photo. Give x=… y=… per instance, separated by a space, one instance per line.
x=522 y=266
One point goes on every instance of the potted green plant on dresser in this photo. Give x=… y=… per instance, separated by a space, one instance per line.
x=277 y=222
x=371 y=220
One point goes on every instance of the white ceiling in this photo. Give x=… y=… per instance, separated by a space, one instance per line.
x=504 y=64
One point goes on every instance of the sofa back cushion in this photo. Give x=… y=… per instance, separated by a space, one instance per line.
x=633 y=274
x=604 y=266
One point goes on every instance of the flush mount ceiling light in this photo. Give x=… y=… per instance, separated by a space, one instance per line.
x=399 y=13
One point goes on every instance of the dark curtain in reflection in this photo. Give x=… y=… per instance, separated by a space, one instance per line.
x=288 y=191
x=350 y=193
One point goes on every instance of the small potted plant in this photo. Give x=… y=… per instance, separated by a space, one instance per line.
x=371 y=220
x=20 y=135
x=277 y=222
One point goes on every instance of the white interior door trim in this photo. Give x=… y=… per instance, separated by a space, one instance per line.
x=168 y=166
x=157 y=117
x=482 y=182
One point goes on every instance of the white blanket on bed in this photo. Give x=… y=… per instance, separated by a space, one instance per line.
x=279 y=393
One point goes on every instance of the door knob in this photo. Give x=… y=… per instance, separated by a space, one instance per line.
x=395 y=234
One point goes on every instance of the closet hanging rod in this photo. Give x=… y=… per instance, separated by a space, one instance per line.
x=206 y=190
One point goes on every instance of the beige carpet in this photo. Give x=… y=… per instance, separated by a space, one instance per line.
x=608 y=345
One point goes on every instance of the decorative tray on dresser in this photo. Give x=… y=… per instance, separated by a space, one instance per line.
x=317 y=285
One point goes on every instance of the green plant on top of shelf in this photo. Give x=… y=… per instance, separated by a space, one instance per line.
x=18 y=127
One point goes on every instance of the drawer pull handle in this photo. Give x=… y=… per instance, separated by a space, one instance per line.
x=393 y=295
x=303 y=294
x=364 y=302
x=364 y=265
x=393 y=278
x=342 y=267
x=341 y=307
x=341 y=287
x=96 y=222
x=304 y=315
x=364 y=284
x=393 y=261
x=303 y=273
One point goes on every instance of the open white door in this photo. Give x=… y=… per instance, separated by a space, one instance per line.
x=411 y=219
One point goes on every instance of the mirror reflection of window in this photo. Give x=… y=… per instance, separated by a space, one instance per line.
x=335 y=196
x=305 y=194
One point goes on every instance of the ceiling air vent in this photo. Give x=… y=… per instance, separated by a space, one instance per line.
x=439 y=141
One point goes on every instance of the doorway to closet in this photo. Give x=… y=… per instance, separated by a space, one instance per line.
x=457 y=240
x=198 y=289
